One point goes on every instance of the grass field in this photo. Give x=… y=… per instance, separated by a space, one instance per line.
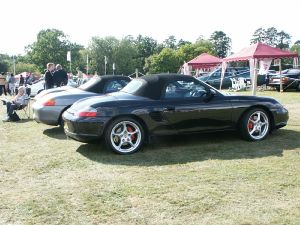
x=201 y=179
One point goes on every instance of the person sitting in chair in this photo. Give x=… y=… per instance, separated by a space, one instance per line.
x=16 y=103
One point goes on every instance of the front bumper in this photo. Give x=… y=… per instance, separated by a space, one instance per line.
x=83 y=129
x=47 y=114
x=281 y=117
x=291 y=84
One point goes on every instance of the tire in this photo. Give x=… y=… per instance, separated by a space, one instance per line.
x=61 y=123
x=298 y=86
x=255 y=125
x=278 y=89
x=123 y=141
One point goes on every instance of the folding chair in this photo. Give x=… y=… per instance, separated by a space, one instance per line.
x=234 y=84
x=26 y=107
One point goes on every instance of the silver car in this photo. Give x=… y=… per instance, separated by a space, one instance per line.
x=48 y=109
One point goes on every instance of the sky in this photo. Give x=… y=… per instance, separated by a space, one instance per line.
x=21 y=20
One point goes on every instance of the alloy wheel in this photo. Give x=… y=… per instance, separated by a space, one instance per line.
x=125 y=136
x=258 y=125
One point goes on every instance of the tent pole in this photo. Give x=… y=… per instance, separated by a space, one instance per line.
x=254 y=79
x=280 y=69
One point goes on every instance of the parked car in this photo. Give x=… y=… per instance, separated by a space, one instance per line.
x=214 y=78
x=49 y=108
x=168 y=104
x=37 y=88
x=290 y=80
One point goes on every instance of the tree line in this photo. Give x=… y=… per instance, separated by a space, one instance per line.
x=129 y=53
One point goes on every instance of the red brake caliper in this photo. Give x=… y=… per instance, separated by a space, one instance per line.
x=250 y=125
x=129 y=129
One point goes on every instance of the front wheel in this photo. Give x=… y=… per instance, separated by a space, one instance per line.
x=298 y=86
x=255 y=125
x=124 y=136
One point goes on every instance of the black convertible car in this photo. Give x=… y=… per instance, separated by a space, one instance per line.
x=167 y=104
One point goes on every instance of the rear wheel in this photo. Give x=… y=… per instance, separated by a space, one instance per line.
x=278 y=89
x=124 y=135
x=255 y=125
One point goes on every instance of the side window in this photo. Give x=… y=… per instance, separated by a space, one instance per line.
x=114 y=85
x=184 y=90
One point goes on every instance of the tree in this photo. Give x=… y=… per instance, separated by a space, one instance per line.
x=51 y=46
x=145 y=47
x=125 y=56
x=4 y=62
x=170 y=42
x=296 y=48
x=24 y=67
x=258 y=36
x=272 y=37
x=221 y=43
x=166 y=61
x=190 y=51
x=99 y=49
x=283 y=40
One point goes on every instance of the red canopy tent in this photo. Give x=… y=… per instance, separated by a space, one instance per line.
x=256 y=52
x=204 y=61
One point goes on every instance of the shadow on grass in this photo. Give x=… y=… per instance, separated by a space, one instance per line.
x=200 y=147
x=26 y=120
x=55 y=132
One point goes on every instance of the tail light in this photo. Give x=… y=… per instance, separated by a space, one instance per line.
x=48 y=102
x=88 y=112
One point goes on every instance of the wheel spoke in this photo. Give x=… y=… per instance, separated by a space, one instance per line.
x=251 y=120
x=258 y=117
x=133 y=132
x=252 y=131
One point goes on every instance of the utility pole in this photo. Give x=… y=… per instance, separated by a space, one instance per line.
x=105 y=62
x=14 y=62
x=87 y=64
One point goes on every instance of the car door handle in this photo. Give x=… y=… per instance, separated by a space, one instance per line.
x=169 y=108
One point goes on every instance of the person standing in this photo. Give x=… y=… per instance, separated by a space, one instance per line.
x=2 y=84
x=21 y=82
x=11 y=84
x=48 y=76
x=60 y=77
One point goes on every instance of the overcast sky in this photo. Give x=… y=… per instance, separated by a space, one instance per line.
x=21 y=20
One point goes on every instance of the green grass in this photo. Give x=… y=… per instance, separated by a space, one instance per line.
x=200 y=179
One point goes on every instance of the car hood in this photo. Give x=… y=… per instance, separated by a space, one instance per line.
x=250 y=98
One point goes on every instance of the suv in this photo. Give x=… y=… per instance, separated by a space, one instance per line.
x=214 y=78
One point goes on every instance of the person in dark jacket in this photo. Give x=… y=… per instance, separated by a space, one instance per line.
x=60 y=77
x=21 y=82
x=48 y=76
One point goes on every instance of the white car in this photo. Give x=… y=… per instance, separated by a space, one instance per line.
x=39 y=86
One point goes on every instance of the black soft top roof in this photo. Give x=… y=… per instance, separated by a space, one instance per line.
x=153 y=85
x=101 y=81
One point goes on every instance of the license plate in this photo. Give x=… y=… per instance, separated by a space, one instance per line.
x=276 y=80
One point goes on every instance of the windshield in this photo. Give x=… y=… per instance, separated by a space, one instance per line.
x=89 y=83
x=133 y=86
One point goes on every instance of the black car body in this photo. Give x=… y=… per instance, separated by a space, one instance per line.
x=169 y=104
x=290 y=80
x=214 y=78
